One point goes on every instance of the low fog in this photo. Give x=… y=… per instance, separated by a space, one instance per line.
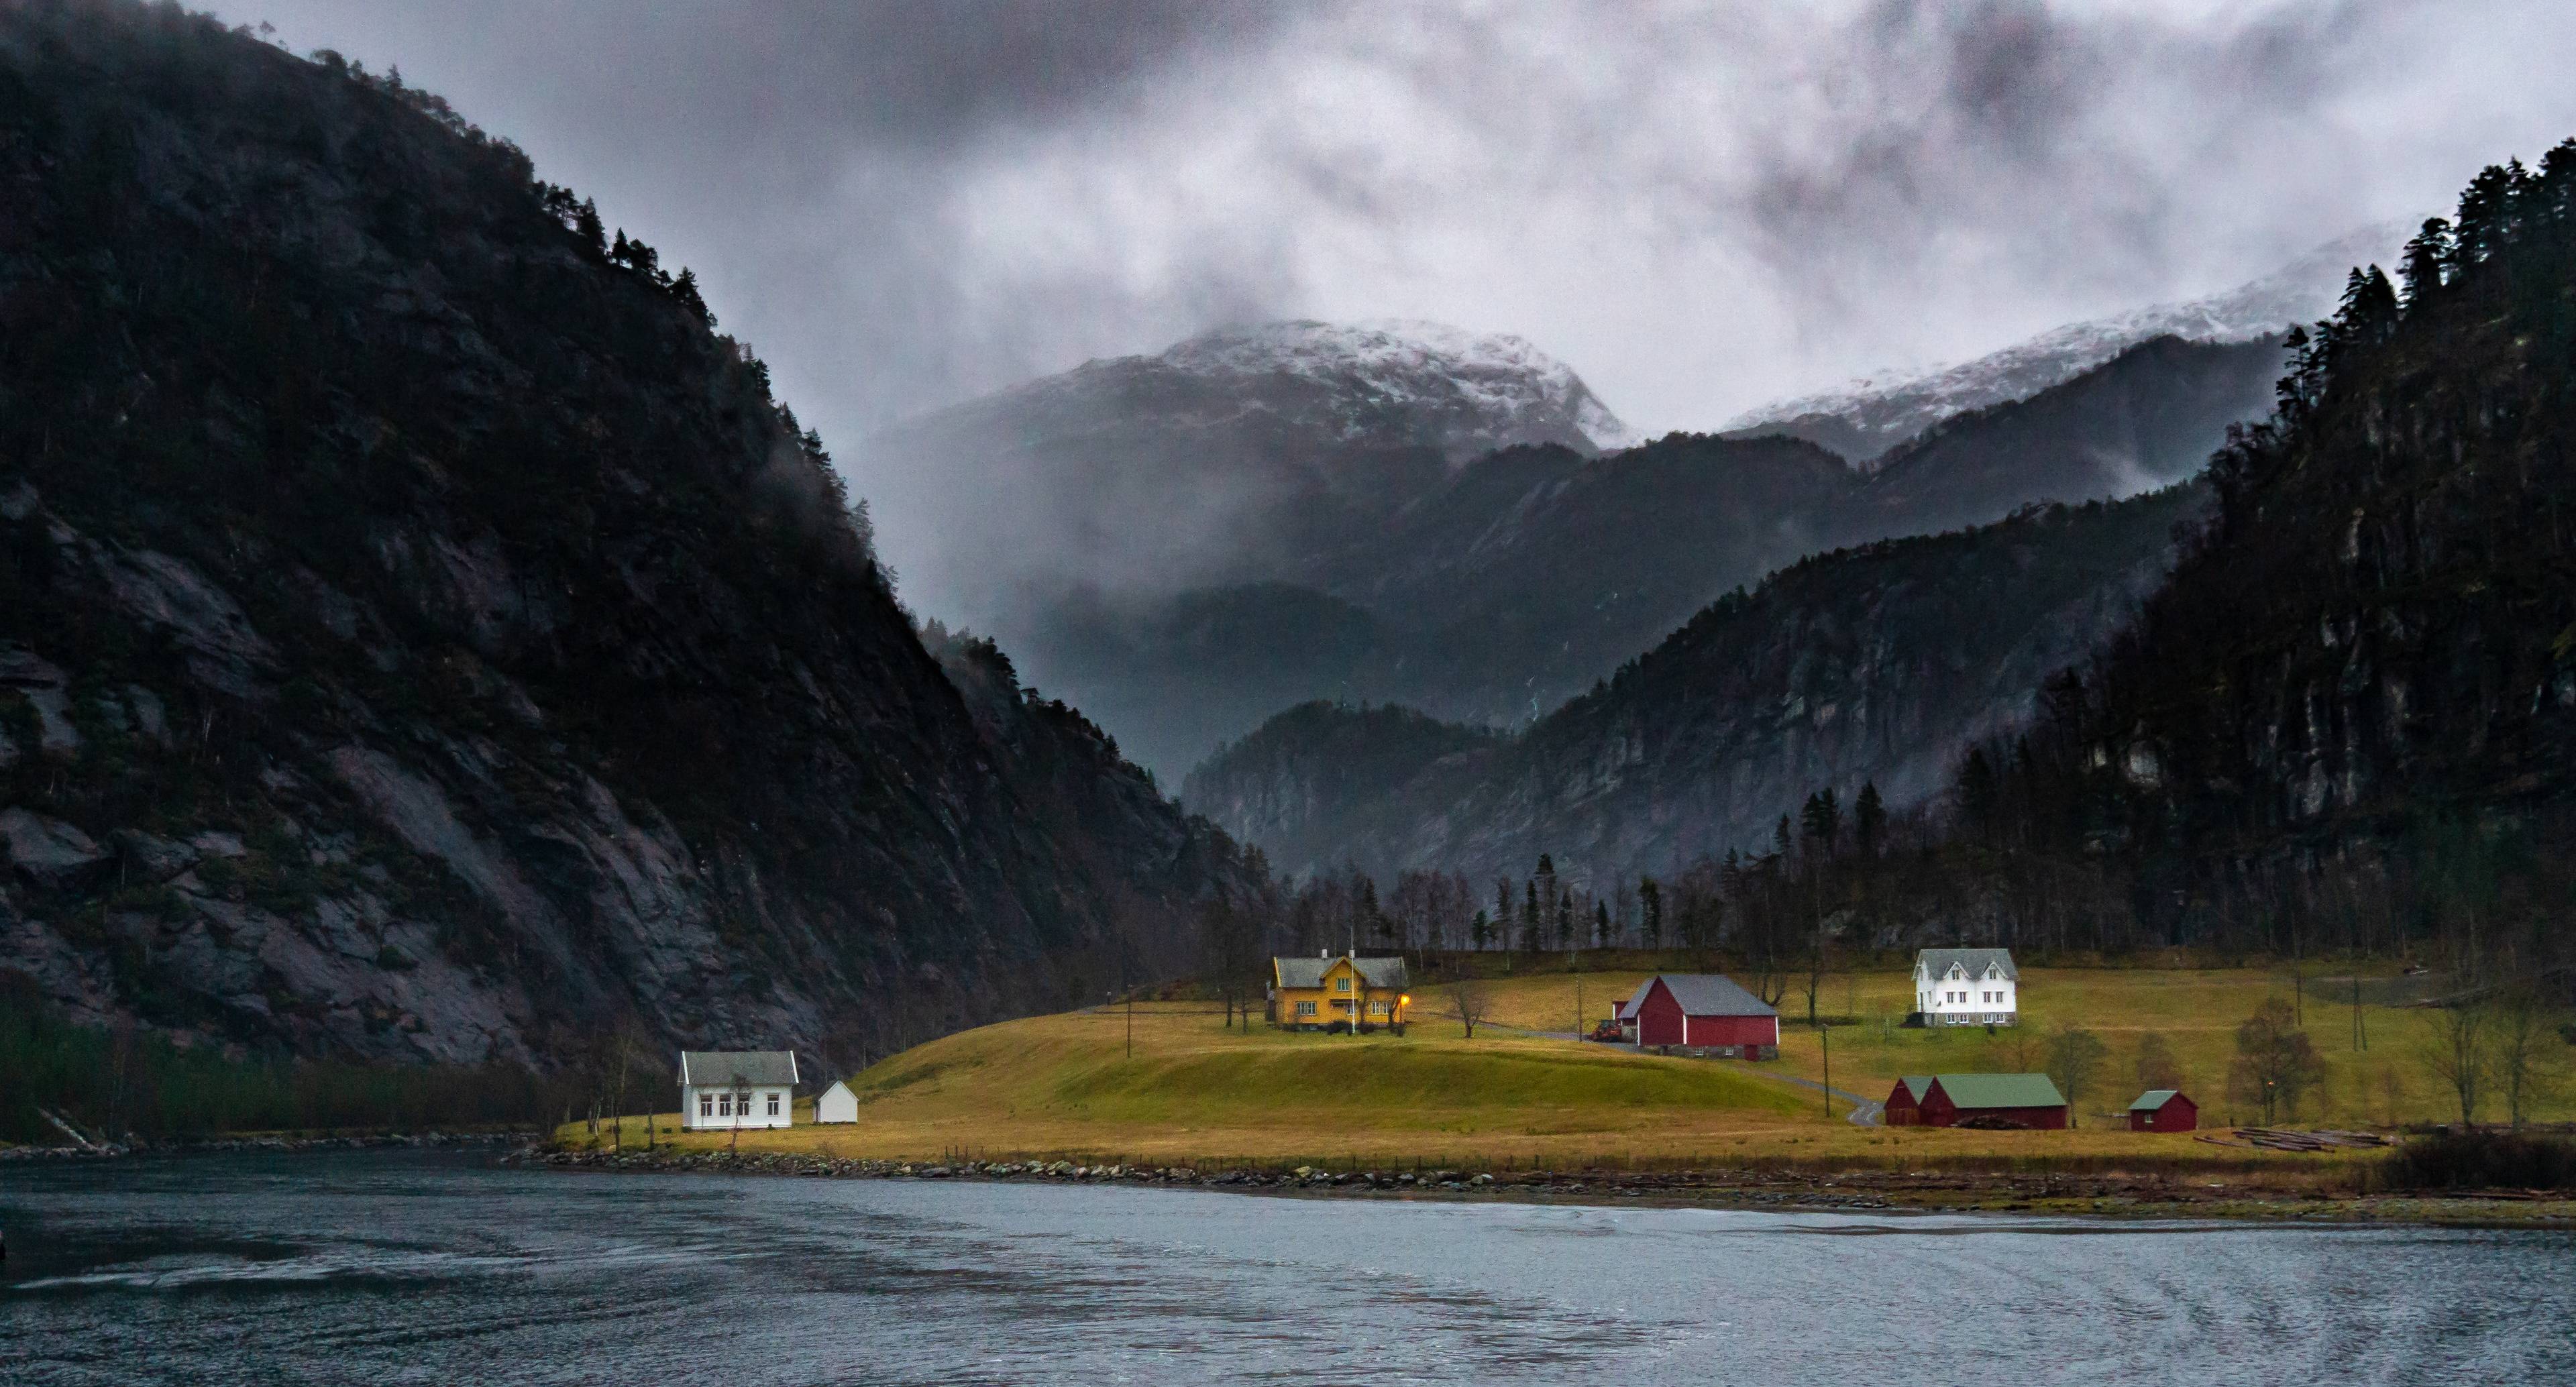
x=1700 y=207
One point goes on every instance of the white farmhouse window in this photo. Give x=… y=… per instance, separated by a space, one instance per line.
x=724 y=1105
x=773 y=1105
x=706 y=1105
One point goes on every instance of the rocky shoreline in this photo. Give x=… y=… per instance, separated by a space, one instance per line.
x=1742 y=1188
x=211 y=1146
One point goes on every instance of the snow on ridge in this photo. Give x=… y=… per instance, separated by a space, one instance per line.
x=1504 y=380
x=1895 y=405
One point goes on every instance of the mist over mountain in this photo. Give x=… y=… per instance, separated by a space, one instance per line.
x=1881 y=663
x=1868 y=418
x=1227 y=458
x=424 y=637
x=1187 y=543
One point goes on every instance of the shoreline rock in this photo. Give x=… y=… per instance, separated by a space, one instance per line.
x=214 y=1146
x=1739 y=1188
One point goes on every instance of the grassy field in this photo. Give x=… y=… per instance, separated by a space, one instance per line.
x=1194 y=1092
x=2196 y=1011
x=1065 y=1084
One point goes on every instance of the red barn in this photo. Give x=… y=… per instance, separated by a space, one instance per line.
x=1905 y=1101
x=1703 y=1013
x=1947 y=1100
x=2163 y=1110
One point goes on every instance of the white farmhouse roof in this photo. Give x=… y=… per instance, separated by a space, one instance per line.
x=717 y=1068
x=1976 y=963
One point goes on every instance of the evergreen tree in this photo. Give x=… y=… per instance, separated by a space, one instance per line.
x=1822 y=820
x=685 y=289
x=1565 y=919
x=1530 y=924
x=1650 y=911
x=1601 y=924
x=2427 y=258
x=1481 y=930
x=1869 y=819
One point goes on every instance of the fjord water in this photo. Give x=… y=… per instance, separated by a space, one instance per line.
x=447 y=1269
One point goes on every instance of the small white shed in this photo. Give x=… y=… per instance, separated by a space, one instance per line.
x=837 y=1104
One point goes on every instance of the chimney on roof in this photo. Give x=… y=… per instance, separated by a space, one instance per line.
x=1323 y=953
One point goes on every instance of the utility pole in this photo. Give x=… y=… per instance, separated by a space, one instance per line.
x=1825 y=1035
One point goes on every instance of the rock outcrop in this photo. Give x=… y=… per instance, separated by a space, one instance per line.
x=422 y=637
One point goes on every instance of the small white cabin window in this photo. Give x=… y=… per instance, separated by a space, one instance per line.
x=724 y=1105
x=773 y=1105
x=706 y=1105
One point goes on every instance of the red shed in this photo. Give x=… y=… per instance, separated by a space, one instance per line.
x=2163 y=1110
x=1946 y=1100
x=1905 y=1101
x=1703 y=1012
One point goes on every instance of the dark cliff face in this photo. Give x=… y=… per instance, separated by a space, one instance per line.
x=2376 y=624
x=422 y=637
x=1881 y=663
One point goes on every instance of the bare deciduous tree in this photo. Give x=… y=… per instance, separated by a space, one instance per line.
x=2456 y=1053
x=2276 y=1064
x=1470 y=1003
x=2075 y=1055
x=2525 y=1051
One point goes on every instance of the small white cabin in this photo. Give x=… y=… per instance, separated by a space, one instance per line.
x=1966 y=987
x=722 y=1089
x=837 y=1104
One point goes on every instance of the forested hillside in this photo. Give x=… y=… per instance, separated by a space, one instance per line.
x=1258 y=519
x=1882 y=663
x=2353 y=707
x=423 y=636
x=2343 y=722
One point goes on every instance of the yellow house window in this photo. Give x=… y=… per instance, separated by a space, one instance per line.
x=1341 y=984
x=1305 y=1008
x=1378 y=1007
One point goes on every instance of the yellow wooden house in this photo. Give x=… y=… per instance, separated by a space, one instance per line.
x=1330 y=992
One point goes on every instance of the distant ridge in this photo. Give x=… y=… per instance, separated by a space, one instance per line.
x=1865 y=419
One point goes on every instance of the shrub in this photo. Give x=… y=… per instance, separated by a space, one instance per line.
x=2481 y=1160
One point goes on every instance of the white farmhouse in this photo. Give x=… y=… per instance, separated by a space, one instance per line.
x=1966 y=987
x=837 y=1104
x=737 y=1088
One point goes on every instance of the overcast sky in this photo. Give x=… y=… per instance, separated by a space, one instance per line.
x=1699 y=206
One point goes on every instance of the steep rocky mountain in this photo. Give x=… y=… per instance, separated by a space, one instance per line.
x=1537 y=571
x=1225 y=459
x=1865 y=419
x=422 y=637
x=2374 y=637
x=2146 y=419
x=1877 y=663
x=1149 y=533
x=1528 y=573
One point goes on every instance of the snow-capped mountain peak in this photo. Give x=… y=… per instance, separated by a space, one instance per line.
x=1868 y=416
x=1483 y=389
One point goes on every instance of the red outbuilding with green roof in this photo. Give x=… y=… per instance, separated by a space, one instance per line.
x=1984 y=1100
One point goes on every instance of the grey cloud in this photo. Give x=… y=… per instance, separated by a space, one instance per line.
x=1699 y=205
